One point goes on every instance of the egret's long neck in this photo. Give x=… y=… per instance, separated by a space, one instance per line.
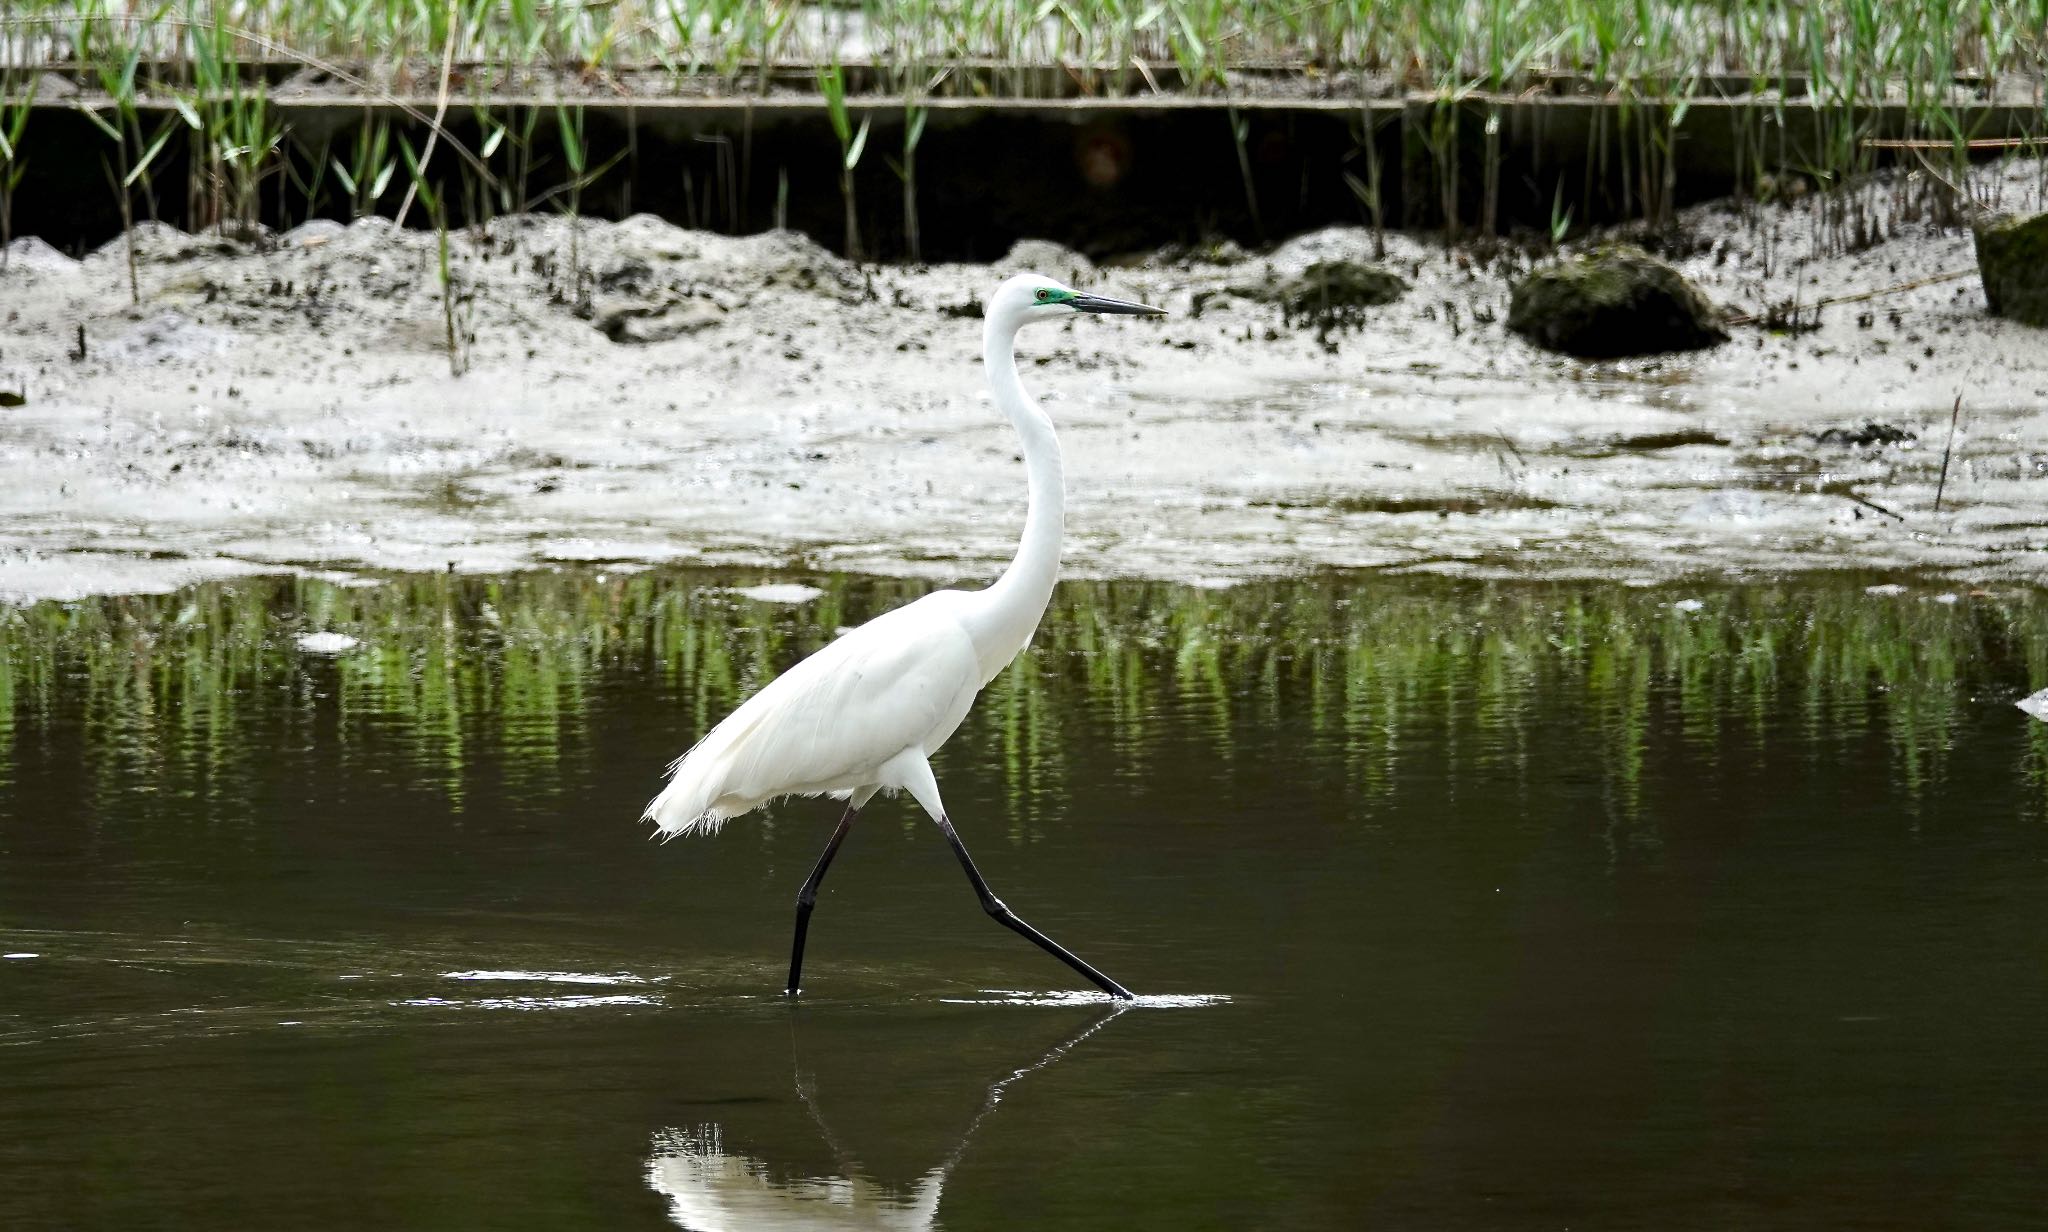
x=1005 y=614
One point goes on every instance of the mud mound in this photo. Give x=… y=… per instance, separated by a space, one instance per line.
x=159 y=243
x=1050 y=259
x=32 y=254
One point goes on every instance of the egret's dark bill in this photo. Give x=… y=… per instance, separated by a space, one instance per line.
x=1120 y=307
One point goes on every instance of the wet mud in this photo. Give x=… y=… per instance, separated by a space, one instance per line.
x=636 y=393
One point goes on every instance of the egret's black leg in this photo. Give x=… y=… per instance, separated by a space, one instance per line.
x=807 y=898
x=1008 y=919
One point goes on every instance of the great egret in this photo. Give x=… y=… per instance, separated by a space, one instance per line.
x=866 y=713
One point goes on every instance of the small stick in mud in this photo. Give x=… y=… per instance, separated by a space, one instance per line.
x=1502 y=434
x=1867 y=503
x=78 y=352
x=1942 y=484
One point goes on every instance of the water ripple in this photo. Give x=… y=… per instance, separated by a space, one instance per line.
x=548 y=977
x=583 y=1001
x=1020 y=996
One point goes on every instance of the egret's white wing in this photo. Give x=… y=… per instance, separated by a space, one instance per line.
x=901 y=681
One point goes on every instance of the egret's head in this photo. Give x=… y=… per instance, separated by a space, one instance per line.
x=1033 y=297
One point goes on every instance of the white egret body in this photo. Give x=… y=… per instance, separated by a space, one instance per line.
x=866 y=713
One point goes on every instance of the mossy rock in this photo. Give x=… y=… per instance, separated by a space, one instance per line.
x=1611 y=303
x=2012 y=257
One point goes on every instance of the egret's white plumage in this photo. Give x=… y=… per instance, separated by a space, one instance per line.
x=900 y=682
x=866 y=713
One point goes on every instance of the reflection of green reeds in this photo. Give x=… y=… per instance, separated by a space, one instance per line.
x=185 y=691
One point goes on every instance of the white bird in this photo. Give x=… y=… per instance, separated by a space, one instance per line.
x=866 y=713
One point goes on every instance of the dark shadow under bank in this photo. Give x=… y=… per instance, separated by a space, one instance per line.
x=1104 y=177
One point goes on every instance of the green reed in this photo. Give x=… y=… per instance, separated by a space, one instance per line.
x=1829 y=69
x=15 y=109
x=133 y=152
x=368 y=172
x=1094 y=42
x=852 y=142
x=454 y=299
x=915 y=114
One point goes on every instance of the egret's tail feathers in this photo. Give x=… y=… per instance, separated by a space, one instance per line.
x=709 y=784
x=687 y=804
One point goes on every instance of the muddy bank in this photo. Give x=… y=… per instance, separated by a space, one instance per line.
x=290 y=405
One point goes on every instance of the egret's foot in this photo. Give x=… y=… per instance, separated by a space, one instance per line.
x=1110 y=986
x=1009 y=919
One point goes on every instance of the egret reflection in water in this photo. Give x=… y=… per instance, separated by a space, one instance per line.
x=714 y=1187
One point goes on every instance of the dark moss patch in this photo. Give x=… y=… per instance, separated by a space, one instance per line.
x=1327 y=295
x=1865 y=435
x=1336 y=294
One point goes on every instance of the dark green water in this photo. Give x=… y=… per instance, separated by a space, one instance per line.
x=1466 y=907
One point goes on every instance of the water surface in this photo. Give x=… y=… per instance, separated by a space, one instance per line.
x=1455 y=905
